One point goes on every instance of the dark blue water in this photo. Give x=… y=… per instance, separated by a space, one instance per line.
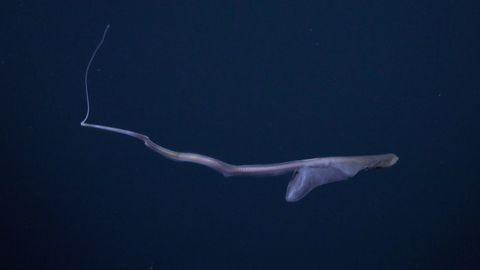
x=246 y=82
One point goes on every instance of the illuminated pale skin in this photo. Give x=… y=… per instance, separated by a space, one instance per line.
x=307 y=173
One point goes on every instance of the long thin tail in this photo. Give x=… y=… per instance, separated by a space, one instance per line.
x=157 y=148
x=87 y=70
x=102 y=127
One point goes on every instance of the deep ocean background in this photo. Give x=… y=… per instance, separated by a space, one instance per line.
x=246 y=82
